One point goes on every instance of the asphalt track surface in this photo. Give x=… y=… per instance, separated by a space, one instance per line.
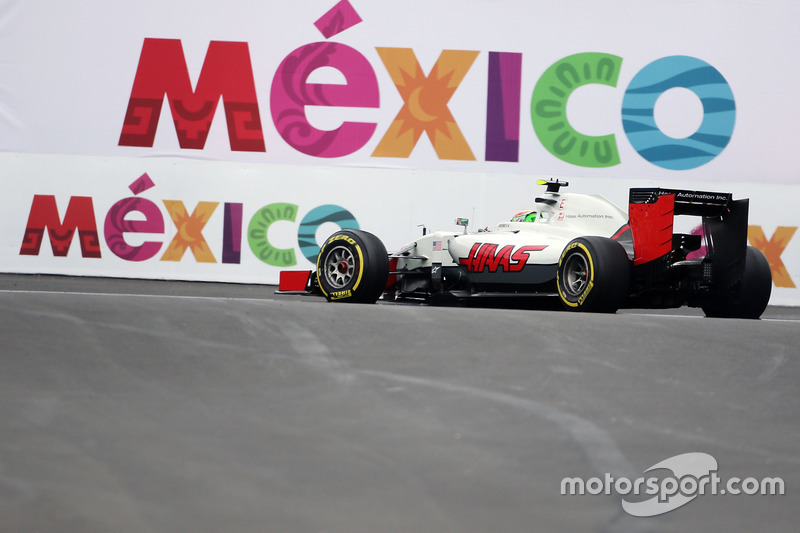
x=139 y=406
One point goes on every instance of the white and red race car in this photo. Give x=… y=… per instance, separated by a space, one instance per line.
x=578 y=248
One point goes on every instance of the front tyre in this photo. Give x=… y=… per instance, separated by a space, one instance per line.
x=352 y=266
x=593 y=275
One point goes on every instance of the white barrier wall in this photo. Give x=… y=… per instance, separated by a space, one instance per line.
x=217 y=142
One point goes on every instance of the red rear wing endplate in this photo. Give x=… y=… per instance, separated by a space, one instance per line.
x=651 y=226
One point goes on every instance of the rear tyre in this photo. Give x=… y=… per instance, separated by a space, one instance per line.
x=752 y=296
x=593 y=275
x=352 y=266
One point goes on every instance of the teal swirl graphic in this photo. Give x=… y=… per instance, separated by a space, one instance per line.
x=719 y=112
x=307 y=233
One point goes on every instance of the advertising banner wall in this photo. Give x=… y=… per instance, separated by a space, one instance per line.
x=224 y=141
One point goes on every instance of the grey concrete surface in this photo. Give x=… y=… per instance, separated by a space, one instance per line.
x=136 y=406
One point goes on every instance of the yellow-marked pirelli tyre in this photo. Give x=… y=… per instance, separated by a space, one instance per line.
x=352 y=266
x=593 y=275
x=749 y=298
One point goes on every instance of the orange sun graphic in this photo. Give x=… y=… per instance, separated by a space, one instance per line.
x=425 y=104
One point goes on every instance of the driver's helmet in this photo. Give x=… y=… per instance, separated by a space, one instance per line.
x=525 y=216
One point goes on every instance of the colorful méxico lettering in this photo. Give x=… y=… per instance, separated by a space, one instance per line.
x=44 y=219
x=227 y=74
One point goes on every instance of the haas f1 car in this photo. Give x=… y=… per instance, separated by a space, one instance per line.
x=578 y=248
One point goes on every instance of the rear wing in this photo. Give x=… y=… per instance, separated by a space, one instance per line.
x=651 y=214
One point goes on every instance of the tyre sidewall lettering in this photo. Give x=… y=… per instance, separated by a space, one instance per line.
x=586 y=293
x=341 y=295
x=345 y=238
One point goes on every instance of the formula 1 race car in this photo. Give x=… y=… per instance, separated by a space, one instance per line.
x=578 y=248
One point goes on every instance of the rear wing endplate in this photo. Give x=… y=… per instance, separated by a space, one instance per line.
x=651 y=212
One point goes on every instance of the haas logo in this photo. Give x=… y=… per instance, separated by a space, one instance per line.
x=483 y=256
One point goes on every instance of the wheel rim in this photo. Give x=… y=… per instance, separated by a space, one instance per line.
x=576 y=274
x=339 y=267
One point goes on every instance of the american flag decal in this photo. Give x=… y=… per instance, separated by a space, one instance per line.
x=437 y=246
